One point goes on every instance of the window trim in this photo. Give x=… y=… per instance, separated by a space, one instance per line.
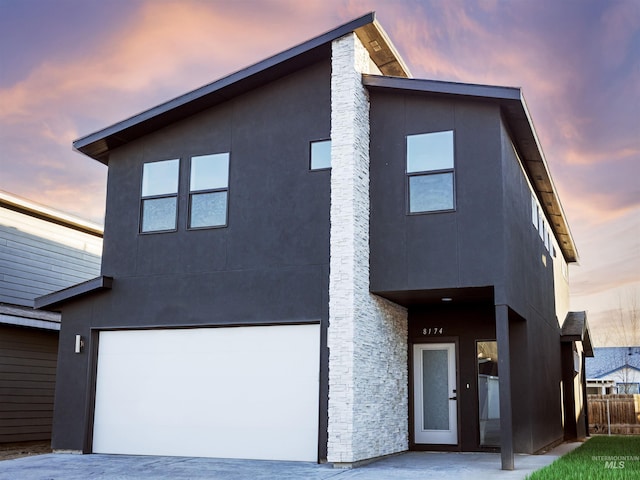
x=156 y=197
x=191 y=193
x=424 y=173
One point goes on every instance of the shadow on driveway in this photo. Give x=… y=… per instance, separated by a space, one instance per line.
x=406 y=466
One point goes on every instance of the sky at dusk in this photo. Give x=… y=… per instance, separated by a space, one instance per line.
x=71 y=67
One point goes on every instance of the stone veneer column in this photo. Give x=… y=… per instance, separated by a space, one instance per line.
x=367 y=335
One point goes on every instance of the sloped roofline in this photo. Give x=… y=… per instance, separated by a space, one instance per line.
x=33 y=209
x=53 y=301
x=515 y=111
x=630 y=367
x=97 y=145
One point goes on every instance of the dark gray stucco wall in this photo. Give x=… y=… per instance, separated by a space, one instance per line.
x=435 y=250
x=530 y=294
x=528 y=265
x=270 y=265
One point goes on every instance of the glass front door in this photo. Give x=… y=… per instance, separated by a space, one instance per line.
x=434 y=393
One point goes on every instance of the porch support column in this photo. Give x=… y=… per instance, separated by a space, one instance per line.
x=504 y=372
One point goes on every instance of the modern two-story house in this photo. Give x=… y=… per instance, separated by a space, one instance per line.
x=321 y=258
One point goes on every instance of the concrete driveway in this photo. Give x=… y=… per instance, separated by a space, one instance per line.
x=409 y=466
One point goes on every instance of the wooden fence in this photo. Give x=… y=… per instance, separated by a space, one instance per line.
x=623 y=414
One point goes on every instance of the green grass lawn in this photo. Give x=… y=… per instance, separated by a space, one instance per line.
x=601 y=457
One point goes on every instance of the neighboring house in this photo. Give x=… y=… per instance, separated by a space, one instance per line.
x=41 y=251
x=320 y=258
x=614 y=370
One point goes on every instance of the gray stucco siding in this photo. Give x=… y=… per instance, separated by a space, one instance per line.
x=278 y=209
x=531 y=282
x=462 y=248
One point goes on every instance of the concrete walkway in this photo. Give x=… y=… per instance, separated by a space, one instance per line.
x=406 y=466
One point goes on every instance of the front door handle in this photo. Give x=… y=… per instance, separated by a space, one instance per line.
x=453 y=398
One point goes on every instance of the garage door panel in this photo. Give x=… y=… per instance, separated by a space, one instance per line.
x=243 y=392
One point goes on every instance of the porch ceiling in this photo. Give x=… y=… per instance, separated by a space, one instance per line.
x=458 y=296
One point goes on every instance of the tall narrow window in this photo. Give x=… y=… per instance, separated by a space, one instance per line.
x=430 y=172
x=159 y=196
x=488 y=393
x=320 y=155
x=208 y=191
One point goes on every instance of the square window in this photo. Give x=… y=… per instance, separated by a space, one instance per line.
x=159 y=214
x=208 y=209
x=209 y=172
x=160 y=178
x=430 y=171
x=428 y=193
x=320 y=155
x=159 y=196
x=429 y=152
x=208 y=191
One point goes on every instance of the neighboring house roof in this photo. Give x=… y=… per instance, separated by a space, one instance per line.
x=97 y=145
x=28 y=317
x=33 y=209
x=607 y=360
x=576 y=329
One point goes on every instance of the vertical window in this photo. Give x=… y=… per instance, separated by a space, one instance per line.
x=430 y=172
x=159 y=196
x=547 y=238
x=208 y=191
x=320 y=155
x=488 y=393
x=534 y=211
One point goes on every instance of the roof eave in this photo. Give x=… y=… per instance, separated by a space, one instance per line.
x=575 y=328
x=53 y=301
x=547 y=193
x=28 y=207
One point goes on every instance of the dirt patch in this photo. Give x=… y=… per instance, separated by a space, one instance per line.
x=23 y=449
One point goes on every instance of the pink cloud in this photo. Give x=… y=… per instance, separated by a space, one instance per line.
x=162 y=50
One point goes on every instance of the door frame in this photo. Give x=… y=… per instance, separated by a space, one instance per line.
x=432 y=446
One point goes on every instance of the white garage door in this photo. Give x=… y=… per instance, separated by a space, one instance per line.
x=242 y=392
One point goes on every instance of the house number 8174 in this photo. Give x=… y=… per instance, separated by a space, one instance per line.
x=432 y=331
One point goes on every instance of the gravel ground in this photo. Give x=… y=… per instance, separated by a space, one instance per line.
x=23 y=449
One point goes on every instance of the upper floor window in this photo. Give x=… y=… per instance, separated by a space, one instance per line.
x=208 y=191
x=320 y=155
x=159 y=196
x=430 y=169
